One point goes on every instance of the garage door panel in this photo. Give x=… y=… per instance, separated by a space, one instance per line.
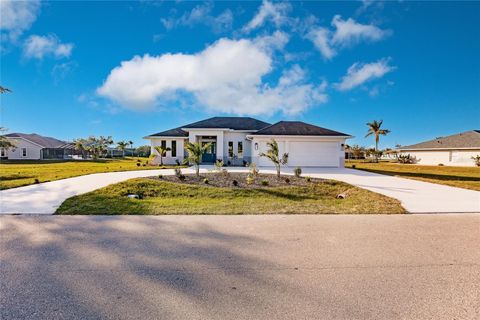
x=314 y=154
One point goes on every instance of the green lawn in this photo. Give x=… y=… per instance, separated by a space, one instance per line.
x=462 y=177
x=161 y=197
x=23 y=172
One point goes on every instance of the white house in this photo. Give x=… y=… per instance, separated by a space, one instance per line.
x=33 y=147
x=239 y=140
x=454 y=150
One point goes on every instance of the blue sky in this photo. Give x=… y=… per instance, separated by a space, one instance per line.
x=128 y=69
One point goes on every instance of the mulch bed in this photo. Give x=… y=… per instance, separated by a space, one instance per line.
x=219 y=179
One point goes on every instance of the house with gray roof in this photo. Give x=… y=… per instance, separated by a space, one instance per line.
x=34 y=147
x=454 y=150
x=239 y=140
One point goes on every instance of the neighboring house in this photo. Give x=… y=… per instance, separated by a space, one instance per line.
x=35 y=147
x=454 y=150
x=240 y=140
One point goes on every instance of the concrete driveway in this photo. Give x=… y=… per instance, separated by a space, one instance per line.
x=416 y=196
x=240 y=267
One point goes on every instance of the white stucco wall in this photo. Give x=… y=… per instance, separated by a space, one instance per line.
x=237 y=137
x=303 y=151
x=168 y=159
x=33 y=150
x=446 y=157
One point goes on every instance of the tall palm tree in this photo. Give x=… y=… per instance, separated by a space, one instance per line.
x=195 y=152
x=130 y=142
x=374 y=128
x=273 y=155
x=162 y=152
x=122 y=145
x=3 y=89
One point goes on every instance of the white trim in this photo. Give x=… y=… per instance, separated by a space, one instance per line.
x=165 y=137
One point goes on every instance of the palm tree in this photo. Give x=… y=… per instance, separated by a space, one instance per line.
x=162 y=152
x=3 y=89
x=273 y=155
x=122 y=145
x=80 y=145
x=195 y=152
x=374 y=128
x=130 y=142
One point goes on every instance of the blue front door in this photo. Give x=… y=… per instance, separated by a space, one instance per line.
x=210 y=155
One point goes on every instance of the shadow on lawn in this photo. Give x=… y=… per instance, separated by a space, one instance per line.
x=126 y=267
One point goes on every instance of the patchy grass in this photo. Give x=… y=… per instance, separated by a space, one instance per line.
x=164 y=197
x=24 y=172
x=461 y=177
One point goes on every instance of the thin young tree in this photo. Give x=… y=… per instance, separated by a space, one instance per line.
x=274 y=156
x=162 y=152
x=195 y=151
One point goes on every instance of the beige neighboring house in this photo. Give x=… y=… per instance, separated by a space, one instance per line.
x=454 y=150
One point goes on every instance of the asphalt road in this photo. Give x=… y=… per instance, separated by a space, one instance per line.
x=240 y=267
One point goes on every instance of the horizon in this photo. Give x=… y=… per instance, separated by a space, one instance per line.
x=158 y=66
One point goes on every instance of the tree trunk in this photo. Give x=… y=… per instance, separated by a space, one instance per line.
x=197 y=168
x=278 y=170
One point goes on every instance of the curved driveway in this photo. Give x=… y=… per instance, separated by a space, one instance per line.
x=416 y=196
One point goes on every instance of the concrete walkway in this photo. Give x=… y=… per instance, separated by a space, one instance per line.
x=416 y=196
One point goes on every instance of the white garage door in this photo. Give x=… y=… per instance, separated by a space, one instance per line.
x=314 y=154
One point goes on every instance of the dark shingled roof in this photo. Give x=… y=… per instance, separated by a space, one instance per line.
x=177 y=132
x=45 y=142
x=235 y=123
x=297 y=128
x=467 y=139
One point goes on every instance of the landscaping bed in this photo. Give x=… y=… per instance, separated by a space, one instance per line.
x=227 y=179
x=171 y=195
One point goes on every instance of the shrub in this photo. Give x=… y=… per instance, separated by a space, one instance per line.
x=308 y=179
x=264 y=182
x=297 y=171
x=287 y=180
x=245 y=163
x=440 y=164
x=138 y=164
x=37 y=181
x=205 y=181
x=138 y=160
x=477 y=160
x=177 y=162
x=218 y=165
x=160 y=176
x=181 y=177
x=235 y=183
x=250 y=179
x=225 y=173
x=144 y=165
x=178 y=172
x=253 y=170
x=353 y=166
x=406 y=159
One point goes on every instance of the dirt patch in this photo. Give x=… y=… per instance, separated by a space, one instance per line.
x=239 y=180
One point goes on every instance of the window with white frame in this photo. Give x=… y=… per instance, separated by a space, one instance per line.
x=230 y=149
x=240 y=149
x=24 y=152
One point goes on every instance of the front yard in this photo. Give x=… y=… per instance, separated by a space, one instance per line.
x=166 y=195
x=21 y=173
x=461 y=177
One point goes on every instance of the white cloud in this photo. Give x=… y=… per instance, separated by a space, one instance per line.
x=346 y=33
x=39 y=47
x=321 y=39
x=16 y=17
x=201 y=14
x=359 y=73
x=269 y=11
x=226 y=77
x=349 y=32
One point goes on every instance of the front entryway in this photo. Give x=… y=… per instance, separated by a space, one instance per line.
x=210 y=154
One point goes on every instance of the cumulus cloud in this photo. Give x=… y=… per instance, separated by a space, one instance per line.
x=359 y=73
x=346 y=33
x=226 y=77
x=39 y=47
x=201 y=14
x=16 y=17
x=269 y=11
